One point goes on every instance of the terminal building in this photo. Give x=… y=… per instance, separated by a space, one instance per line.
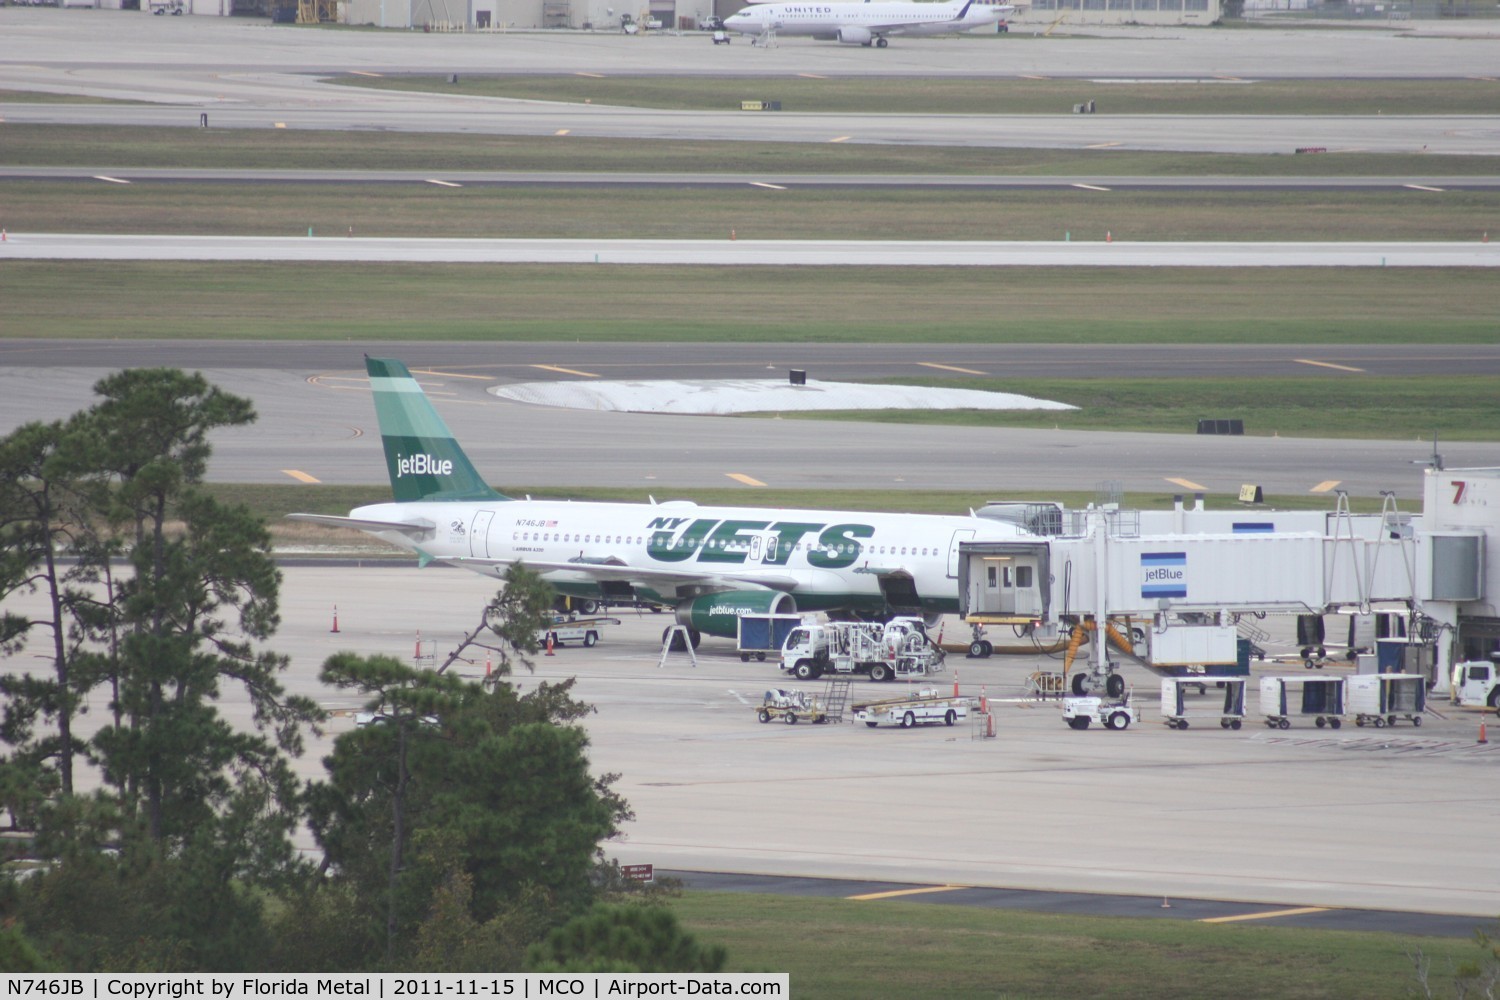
x=1191 y=587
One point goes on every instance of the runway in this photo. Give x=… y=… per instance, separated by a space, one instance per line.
x=1431 y=183
x=741 y=253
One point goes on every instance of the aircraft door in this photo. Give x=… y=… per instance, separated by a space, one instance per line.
x=1010 y=584
x=1026 y=599
x=479 y=533
x=959 y=536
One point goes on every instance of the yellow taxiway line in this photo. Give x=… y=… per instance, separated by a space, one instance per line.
x=1187 y=484
x=950 y=368
x=301 y=477
x=740 y=477
x=564 y=371
x=1266 y=915
x=908 y=892
x=1325 y=486
x=1327 y=364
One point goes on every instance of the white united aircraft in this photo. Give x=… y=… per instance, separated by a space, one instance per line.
x=709 y=563
x=864 y=23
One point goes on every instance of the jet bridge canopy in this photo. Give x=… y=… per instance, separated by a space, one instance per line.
x=1004 y=583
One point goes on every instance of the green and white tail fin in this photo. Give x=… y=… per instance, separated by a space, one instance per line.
x=424 y=461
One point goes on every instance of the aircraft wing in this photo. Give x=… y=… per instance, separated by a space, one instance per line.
x=650 y=576
x=417 y=527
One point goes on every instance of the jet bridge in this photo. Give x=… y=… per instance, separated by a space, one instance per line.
x=1146 y=576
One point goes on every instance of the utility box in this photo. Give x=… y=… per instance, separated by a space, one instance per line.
x=1195 y=645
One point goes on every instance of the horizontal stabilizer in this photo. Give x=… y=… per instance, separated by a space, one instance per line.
x=415 y=528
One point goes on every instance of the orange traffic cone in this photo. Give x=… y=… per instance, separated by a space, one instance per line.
x=487 y=666
x=1482 y=737
x=549 y=645
x=984 y=701
x=955 y=682
x=417 y=655
x=731 y=234
x=1108 y=236
x=335 y=619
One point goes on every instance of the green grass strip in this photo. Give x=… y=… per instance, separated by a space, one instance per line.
x=432 y=153
x=973 y=95
x=494 y=212
x=536 y=302
x=871 y=950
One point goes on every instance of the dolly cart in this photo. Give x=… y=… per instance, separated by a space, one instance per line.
x=1175 y=706
x=1380 y=699
x=1320 y=698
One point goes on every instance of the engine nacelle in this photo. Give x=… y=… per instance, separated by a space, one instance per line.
x=718 y=614
x=855 y=36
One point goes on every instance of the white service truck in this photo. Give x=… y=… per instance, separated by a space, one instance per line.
x=883 y=652
x=565 y=629
x=1476 y=684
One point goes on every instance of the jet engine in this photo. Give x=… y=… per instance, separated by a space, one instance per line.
x=718 y=614
x=855 y=36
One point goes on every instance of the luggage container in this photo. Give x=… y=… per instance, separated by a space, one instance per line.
x=1381 y=699
x=762 y=634
x=1318 y=698
x=1175 y=708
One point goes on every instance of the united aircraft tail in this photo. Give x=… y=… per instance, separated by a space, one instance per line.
x=424 y=460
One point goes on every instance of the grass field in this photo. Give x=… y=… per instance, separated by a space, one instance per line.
x=982 y=95
x=581 y=212
x=835 y=948
x=249 y=149
x=835 y=305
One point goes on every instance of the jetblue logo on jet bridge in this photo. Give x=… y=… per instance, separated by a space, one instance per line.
x=1163 y=574
x=423 y=465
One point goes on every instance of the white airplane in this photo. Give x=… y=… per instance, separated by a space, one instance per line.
x=709 y=563
x=864 y=23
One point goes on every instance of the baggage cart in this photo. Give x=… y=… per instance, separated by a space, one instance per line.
x=1318 y=698
x=789 y=707
x=1381 y=699
x=1176 y=710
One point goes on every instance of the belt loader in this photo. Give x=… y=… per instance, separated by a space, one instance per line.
x=925 y=708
